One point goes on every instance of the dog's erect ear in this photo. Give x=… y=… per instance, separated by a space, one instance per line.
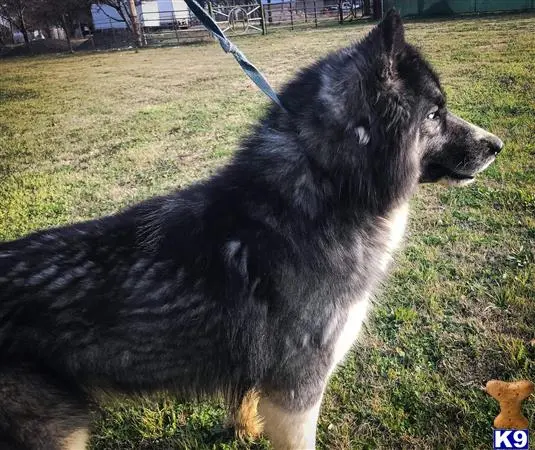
x=392 y=33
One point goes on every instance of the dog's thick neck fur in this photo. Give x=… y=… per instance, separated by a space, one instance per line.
x=342 y=144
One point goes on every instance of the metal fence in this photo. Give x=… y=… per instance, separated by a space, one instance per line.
x=303 y=13
x=160 y=28
x=113 y=37
x=452 y=7
x=177 y=27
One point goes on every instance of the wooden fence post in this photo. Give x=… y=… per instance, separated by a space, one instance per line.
x=270 y=16
x=262 y=18
x=175 y=26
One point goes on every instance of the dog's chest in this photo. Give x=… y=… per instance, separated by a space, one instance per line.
x=395 y=224
x=348 y=322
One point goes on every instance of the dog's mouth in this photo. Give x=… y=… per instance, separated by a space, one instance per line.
x=456 y=178
x=442 y=174
x=458 y=175
x=438 y=173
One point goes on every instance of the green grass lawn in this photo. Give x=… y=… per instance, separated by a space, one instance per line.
x=86 y=135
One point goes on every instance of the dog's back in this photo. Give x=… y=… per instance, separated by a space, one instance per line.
x=103 y=299
x=133 y=302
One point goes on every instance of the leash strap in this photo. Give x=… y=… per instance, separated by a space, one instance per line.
x=252 y=72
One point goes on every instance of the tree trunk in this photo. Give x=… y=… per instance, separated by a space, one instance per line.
x=12 y=33
x=136 y=29
x=366 y=8
x=67 y=32
x=23 y=30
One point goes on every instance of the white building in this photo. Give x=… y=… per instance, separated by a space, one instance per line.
x=151 y=13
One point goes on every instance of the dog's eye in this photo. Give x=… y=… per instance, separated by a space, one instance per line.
x=433 y=115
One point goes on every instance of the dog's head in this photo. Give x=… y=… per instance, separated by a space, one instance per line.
x=380 y=106
x=450 y=149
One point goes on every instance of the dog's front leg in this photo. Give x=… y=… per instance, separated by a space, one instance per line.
x=290 y=425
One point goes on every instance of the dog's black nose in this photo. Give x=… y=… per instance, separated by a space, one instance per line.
x=494 y=144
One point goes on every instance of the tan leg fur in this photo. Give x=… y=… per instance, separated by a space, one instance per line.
x=247 y=422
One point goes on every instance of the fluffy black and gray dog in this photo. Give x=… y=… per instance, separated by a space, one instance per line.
x=255 y=280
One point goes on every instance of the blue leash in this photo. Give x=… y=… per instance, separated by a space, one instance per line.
x=252 y=72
